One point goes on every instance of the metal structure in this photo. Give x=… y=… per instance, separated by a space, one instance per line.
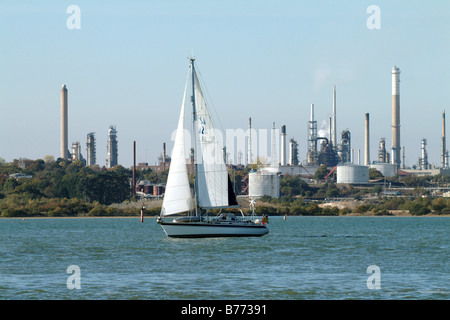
x=263 y=183
x=396 y=148
x=64 y=154
x=293 y=152
x=112 y=148
x=333 y=124
x=344 y=149
x=90 y=149
x=76 y=153
x=312 y=139
x=352 y=174
x=423 y=160
x=383 y=156
x=327 y=155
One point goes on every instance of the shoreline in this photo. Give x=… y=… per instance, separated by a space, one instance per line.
x=430 y=215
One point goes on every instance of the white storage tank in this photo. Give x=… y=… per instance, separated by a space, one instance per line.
x=352 y=174
x=386 y=169
x=263 y=183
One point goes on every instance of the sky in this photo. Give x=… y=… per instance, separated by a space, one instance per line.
x=126 y=62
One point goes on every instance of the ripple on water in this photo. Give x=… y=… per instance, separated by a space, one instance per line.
x=306 y=258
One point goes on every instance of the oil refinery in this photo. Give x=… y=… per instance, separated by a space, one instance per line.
x=332 y=149
x=76 y=154
x=338 y=156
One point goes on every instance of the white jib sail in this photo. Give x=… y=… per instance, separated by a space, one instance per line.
x=212 y=174
x=177 y=197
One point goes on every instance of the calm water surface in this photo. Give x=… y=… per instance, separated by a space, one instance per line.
x=301 y=258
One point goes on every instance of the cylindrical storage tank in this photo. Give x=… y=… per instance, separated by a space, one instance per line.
x=352 y=174
x=263 y=184
x=386 y=169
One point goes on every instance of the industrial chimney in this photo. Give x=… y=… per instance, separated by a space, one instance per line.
x=444 y=164
x=367 y=144
x=249 y=141
x=312 y=139
x=164 y=156
x=64 y=125
x=396 y=116
x=334 y=137
x=283 y=145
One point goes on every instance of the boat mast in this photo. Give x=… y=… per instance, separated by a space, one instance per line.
x=194 y=119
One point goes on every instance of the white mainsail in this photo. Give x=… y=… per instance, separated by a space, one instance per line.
x=177 y=197
x=211 y=171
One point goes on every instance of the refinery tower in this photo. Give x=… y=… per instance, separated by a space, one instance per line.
x=112 y=148
x=64 y=154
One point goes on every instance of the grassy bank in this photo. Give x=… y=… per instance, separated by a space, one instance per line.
x=21 y=207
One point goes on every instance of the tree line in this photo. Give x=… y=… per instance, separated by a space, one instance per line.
x=62 y=188
x=298 y=197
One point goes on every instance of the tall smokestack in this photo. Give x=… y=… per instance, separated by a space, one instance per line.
x=273 y=154
x=333 y=138
x=330 y=124
x=367 y=144
x=164 y=156
x=250 y=140
x=134 y=168
x=396 y=116
x=444 y=164
x=403 y=158
x=283 y=145
x=64 y=124
x=312 y=139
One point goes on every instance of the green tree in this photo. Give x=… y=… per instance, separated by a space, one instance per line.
x=321 y=173
x=438 y=205
x=292 y=186
x=418 y=209
x=375 y=174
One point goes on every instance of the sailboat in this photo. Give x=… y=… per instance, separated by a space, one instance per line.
x=181 y=216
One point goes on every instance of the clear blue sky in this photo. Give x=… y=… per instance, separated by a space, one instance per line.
x=268 y=60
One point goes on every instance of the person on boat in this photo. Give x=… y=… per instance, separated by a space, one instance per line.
x=264 y=220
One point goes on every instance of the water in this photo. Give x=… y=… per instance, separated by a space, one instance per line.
x=301 y=258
